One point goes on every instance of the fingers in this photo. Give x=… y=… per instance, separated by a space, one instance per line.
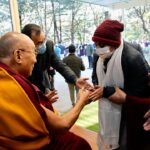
x=55 y=97
x=96 y=93
x=52 y=96
x=82 y=82
x=92 y=93
x=96 y=86
x=147 y=114
x=94 y=97
x=147 y=125
x=84 y=90
x=85 y=78
x=51 y=93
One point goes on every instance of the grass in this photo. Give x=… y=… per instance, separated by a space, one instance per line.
x=89 y=117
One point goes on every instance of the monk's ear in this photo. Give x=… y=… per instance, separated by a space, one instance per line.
x=17 y=56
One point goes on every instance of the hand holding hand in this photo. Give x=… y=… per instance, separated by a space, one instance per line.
x=82 y=83
x=96 y=93
x=83 y=95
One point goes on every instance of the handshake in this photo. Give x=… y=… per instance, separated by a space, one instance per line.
x=114 y=94
x=90 y=94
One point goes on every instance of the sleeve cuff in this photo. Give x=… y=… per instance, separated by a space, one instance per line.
x=108 y=91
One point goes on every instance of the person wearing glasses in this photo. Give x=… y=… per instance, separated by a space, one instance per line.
x=27 y=117
x=121 y=70
x=44 y=62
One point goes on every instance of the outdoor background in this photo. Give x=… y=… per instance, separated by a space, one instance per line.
x=72 y=21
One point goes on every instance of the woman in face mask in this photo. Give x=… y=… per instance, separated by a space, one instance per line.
x=104 y=51
x=120 y=70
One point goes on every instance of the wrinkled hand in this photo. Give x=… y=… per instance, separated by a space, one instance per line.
x=52 y=96
x=83 y=95
x=147 y=123
x=96 y=93
x=82 y=83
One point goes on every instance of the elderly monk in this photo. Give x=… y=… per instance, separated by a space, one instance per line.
x=27 y=120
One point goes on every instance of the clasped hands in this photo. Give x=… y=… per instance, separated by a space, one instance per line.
x=96 y=92
x=93 y=92
x=88 y=91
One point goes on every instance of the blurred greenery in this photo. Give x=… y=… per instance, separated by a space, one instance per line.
x=89 y=117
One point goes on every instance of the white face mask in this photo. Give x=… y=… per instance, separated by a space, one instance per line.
x=100 y=51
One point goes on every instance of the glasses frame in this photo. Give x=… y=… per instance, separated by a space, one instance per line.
x=35 y=52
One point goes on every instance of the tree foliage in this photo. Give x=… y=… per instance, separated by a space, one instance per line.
x=72 y=21
x=139 y=19
x=5 y=17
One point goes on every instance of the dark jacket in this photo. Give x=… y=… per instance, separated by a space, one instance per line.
x=75 y=63
x=137 y=137
x=135 y=71
x=44 y=61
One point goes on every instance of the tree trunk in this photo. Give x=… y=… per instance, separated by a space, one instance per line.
x=72 y=24
x=56 y=39
x=60 y=27
x=38 y=14
x=45 y=17
x=140 y=13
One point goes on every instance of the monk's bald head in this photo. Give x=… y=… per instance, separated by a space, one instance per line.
x=11 y=41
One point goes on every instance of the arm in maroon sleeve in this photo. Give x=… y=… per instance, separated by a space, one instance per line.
x=137 y=100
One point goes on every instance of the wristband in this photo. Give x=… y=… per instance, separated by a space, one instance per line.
x=108 y=91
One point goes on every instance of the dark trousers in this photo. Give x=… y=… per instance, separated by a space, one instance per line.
x=90 y=60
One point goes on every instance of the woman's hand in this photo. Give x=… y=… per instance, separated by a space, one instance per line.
x=96 y=93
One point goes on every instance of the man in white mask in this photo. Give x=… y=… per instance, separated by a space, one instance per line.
x=121 y=71
x=42 y=48
x=46 y=57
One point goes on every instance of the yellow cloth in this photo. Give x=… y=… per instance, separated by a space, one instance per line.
x=21 y=126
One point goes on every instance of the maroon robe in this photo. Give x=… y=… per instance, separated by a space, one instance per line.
x=64 y=141
x=137 y=137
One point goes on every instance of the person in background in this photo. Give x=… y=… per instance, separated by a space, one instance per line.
x=89 y=53
x=76 y=64
x=81 y=50
x=62 y=47
x=27 y=117
x=38 y=37
x=46 y=62
x=94 y=76
x=57 y=51
x=51 y=73
x=119 y=66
